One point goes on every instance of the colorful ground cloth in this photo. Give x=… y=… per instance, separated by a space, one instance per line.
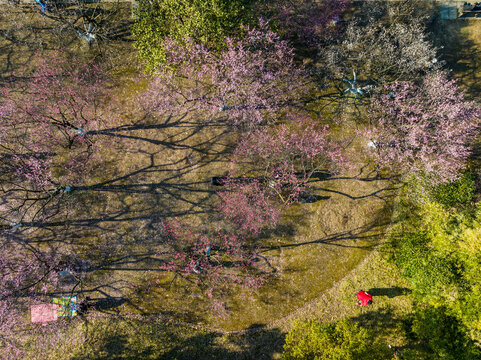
x=68 y=305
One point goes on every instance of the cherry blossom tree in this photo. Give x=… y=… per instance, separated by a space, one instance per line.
x=424 y=129
x=250 y=204
x=271 y=168
x=45 y=122
x=247 y=83
x=215 y=260
x=288 y=154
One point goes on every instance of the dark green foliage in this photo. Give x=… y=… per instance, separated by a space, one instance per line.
x=437 y=245
x=460 y=192
x=204 y=21
x=444 y=334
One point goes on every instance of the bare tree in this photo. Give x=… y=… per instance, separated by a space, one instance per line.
x=384 y=43
x=90 y=21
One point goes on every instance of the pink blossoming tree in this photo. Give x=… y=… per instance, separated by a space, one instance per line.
x=215 y=260
x=271 y=168
x=424 y=129
x=45 y=123
x=50 y=112
x=247 y=83
x=249 y=205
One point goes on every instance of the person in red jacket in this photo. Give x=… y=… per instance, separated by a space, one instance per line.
x=364 y=298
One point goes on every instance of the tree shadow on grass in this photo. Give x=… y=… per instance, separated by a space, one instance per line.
x=389 y=292
x=370 y=232
x=437 y=328
x=162 y=185
x=255 y=346
x=139 y=339
x=382 y=321
x=108 y=303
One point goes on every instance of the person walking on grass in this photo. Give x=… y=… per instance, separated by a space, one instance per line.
x=364 y=298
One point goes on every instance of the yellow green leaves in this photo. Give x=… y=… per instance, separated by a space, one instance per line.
x=203 y=21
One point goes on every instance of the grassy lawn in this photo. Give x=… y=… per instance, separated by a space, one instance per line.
x=160 y=168
x=110 y=336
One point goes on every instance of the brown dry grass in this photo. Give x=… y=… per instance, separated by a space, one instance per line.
x=148 y=174
x=164 y=172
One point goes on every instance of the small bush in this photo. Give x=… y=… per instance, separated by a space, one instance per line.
x=344 y=340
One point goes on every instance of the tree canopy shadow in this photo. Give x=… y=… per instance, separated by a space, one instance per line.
x=170 y=341
x=370 y=232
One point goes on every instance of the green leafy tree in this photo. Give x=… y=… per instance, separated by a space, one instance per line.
x=205 y=21
x=430 y=274
x=439 y=252
x=343 y=340
x=444 y=334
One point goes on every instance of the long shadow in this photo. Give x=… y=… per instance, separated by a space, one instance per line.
x=384 y=323
x=121 y=32
x=382 y=319
x=108 y=303
x=389 y=292
x=337 y=239
x=171 y=341
x=377 y=194
x=23 y=36
x=24 y=33
x=177 y=144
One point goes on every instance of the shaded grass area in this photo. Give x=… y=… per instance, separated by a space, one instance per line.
x=460 y=42
x=109 y=338
x=151 y=337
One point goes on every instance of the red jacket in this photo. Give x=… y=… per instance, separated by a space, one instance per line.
x=363 y=298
